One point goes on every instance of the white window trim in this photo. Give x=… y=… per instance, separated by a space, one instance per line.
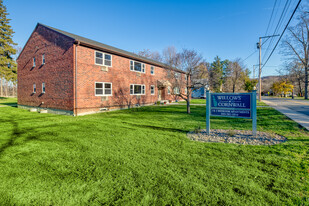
x=144 y=72
x=169 y=90
x=105 y=95
x=153 y=70
x=43 y=86
x=103 y=54
x=154 y=90
x=141 y=89
x=34 y=88
x=33 y=61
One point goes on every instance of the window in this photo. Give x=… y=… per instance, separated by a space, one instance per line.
x=177 y=75
x=176 y=90
x=103 y=59
x=43 y=59
x=152 y=70
x=137 y=89
x=103 y=89
x=137 y=66
x=43 y=87
x=152 y=89
x=186 y=78
x=34 y=88
x=186 y=90
x=33 y=61
x=168 y=90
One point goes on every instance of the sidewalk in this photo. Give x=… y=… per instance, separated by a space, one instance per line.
x=301 y=119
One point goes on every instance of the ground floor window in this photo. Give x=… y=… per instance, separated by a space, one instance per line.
x=43 y=87
x=152 y=89
x=137 y=89
x=103 y=89
x=176 y=90
x=168 y=90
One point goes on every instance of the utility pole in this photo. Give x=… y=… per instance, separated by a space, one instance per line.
x=259 y=46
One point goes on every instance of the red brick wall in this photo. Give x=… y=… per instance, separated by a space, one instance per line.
x=57 y=73
x=120 y=76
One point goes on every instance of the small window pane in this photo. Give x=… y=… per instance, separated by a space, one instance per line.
x=108 y=62
x=137 y=66
x=107 y=85
x=98 y=61
x=108 y=91
x=108 y=57
x=99 y=91
x=99 y=55
x=99 y=85
x=137 y=89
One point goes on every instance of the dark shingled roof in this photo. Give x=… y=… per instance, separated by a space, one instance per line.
x=92 y=43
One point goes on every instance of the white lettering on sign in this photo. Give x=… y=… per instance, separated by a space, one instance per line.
x=230 y=104
x=229 y=97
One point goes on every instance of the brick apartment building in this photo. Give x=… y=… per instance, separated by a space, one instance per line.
x=68 y=74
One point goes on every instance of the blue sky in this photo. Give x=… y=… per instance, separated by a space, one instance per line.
x=227 y=28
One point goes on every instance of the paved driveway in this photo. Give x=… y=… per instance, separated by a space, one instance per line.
x=298 y=110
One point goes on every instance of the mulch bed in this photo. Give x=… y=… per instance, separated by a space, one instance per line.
x=243 y=137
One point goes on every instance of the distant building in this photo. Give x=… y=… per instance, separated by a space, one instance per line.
x=69 y=74
x=199 y=93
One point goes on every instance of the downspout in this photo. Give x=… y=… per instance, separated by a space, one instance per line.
x=75 y=80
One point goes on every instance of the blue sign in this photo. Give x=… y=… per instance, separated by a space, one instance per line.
x=231 y=113
x=237 y=101
x=238 y=105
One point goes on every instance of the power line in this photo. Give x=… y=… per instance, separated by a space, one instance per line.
x=285 y=9
x=271 y=16
x=286 y=26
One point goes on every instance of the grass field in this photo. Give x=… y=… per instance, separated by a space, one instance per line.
x=8 y=101
x=143 y=157
x=203 y=101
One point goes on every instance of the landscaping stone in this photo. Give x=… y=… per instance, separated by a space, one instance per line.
x=33 y=110
x=243 y=137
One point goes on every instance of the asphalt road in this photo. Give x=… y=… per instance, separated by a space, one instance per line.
x=301 y=106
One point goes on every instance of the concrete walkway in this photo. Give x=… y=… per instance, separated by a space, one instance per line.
x=298 y=117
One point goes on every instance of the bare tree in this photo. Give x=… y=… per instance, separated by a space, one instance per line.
x=188 y=61
x=296 y=44
x=235 y=73
x=154 y=55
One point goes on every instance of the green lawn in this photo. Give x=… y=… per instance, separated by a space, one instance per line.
x=143 y=157
x=8 y=101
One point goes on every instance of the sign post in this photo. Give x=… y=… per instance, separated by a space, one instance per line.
x=235 y=105
x=207 y=112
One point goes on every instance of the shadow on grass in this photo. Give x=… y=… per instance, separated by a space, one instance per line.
x=29 y=134
x=16 y=133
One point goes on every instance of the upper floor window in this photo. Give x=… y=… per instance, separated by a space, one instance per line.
x=103 y=59
x=152 y=89
x=137 y=89
x=177 y=75
x=43 y=87
x=137 y=66
x=152 y=70
x=186 y=78
x=33 y=61
x=43 y=59
x=34 y=88
x=103 y=89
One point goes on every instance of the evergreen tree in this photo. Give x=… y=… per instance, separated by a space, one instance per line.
x=7 y=63
x=217 y=74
